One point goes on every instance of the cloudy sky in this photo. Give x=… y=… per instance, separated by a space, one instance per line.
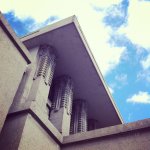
x=118 y=32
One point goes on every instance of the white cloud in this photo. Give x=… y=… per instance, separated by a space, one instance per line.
x=122 y=78
x=138 y=24
x=144 y=75
x=96 y=33
x=116 y=11
x=40 y=10
x=140 y=97
x=146 y=62
x=105 y=3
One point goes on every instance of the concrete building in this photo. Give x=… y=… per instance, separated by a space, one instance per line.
x=53 y=95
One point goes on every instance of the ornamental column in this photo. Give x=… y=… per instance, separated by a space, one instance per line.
x=62 y=97
x=79 y=117
x=45 y=66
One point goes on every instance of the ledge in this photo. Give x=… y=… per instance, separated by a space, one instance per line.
x=45 y=123
x=85 y=136
x=42 y=119
x=98 y=133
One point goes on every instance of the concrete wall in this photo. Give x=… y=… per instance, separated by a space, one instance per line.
x=12 y=132
x=22 y=132
x=22 y=100
x=139 y=140
x=132 y=136
x=12 y=66
x=34 y=137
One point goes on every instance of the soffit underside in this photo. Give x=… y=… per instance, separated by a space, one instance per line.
x=74 y=60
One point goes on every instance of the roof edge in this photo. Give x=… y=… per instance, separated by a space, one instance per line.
x=78 y=27
x=48 y=28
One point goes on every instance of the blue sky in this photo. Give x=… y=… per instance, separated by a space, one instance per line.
x=118 y=32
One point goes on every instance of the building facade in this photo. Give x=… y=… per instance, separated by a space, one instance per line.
x=53 y=95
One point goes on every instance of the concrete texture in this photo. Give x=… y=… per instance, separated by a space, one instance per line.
x=132 y=136
x=34 y=137
x=21 y=101
x=12 y=132
x=42 y=119
x=13 y=60
x=12 y=66
x=61 y=120
x=23 y=97
x=21 y=131
x=39 y=92
x=139 y=140
x=33 y=131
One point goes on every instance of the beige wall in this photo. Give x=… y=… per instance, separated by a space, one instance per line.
x=34 y=137
x=12 y=66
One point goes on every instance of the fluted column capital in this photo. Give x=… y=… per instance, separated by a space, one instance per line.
x=63 y=93
x=46 y=48
x=46 y=63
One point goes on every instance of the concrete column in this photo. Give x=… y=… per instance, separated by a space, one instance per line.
x=62 y=97
x=46 y=62
x=79 y=117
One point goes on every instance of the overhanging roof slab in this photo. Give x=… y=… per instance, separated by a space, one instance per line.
x=75 y=59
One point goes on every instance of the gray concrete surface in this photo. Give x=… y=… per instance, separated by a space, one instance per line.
x=34 y=137
x=12 y=132
x=12 y=67
x=132 y=136
x=13 y=60
x=27 y=131
x=23 y=132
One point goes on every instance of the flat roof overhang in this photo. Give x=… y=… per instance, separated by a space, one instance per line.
x=75 y=59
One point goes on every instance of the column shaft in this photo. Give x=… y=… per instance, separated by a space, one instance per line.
x=62 y=97
x=79 y=117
